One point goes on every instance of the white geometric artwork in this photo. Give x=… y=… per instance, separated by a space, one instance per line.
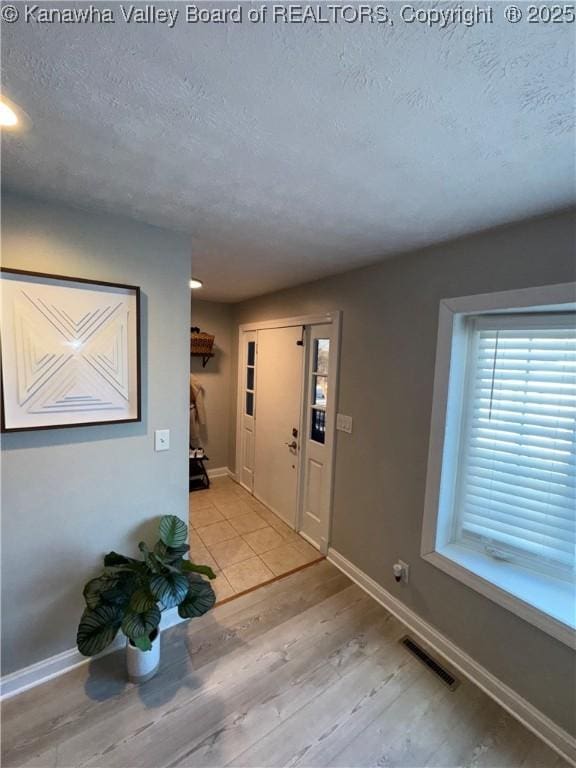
x=70 y=351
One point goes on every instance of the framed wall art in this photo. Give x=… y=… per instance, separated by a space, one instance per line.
x=70 y=351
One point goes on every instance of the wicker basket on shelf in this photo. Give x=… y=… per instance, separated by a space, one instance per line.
x=201 y=343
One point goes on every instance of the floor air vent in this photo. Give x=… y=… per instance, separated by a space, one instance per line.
x=424 y=657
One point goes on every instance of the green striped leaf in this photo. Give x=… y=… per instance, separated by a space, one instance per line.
x=114 y=559
x=190 y=567
x=173 y=531
x=169 y=588
x=160 y=549
x=137 y=624
x=170 y=555
x=199 y=598
x=97 y=629
x=115 y=563
x=173 y=554
x=96 y=587
x=119 y=594
x=142 y=601
x=151 y=561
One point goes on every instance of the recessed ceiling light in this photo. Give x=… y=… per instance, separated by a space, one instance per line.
x=195 y=284
x=8 y=118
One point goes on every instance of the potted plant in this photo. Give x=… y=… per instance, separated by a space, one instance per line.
x=130 y=595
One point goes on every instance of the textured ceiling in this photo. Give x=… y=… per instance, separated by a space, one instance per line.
x=292 y=151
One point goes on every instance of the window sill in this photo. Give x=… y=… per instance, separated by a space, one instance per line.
x=547 y=603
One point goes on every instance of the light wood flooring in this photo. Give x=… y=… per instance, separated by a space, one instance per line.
x=306 y=671
x=244 y=542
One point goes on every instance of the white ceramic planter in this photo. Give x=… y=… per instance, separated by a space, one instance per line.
x=142 y=665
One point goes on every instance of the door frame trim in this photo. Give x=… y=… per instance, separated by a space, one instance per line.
x=287 y=322
x=335 y=319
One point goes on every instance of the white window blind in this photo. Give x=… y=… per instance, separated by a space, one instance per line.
x=516 y=480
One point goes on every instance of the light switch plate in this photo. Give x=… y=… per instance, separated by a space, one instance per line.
x=344 y=423
x=162 y=440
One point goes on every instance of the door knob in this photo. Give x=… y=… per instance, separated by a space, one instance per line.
x=293 y=445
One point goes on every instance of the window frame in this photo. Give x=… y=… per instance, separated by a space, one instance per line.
x=250 y=394
x=313 y=406
x=539 y=599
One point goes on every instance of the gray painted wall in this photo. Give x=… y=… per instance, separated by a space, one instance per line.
x=70 y=495
x=390 y=315
x=216 y=377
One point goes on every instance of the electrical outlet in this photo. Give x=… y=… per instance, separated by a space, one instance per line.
x=401 y=571
x=162 y=440
x=405 y=571
x=344 y=423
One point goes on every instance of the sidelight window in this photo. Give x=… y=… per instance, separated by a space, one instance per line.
x=319 y=383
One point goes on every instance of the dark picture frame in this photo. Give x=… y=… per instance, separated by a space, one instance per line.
x=73 y=334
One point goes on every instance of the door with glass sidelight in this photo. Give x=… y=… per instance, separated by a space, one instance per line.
x=287 y=380
x=318 y=437
x=247 y=432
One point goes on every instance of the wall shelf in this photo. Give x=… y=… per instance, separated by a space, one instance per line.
x=204 y=355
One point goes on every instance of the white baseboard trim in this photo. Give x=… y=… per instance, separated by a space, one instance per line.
x=219 y=472
x=47 y=669
x=541 y=725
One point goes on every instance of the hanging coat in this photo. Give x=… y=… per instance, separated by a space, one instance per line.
x=197 y=412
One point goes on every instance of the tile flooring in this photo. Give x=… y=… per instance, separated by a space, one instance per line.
x=243 y=541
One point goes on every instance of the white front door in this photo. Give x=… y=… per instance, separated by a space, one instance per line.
x=278 y=414
x=318 y=438
x=247 y=404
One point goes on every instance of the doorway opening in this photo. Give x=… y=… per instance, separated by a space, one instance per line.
x=287 y=389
